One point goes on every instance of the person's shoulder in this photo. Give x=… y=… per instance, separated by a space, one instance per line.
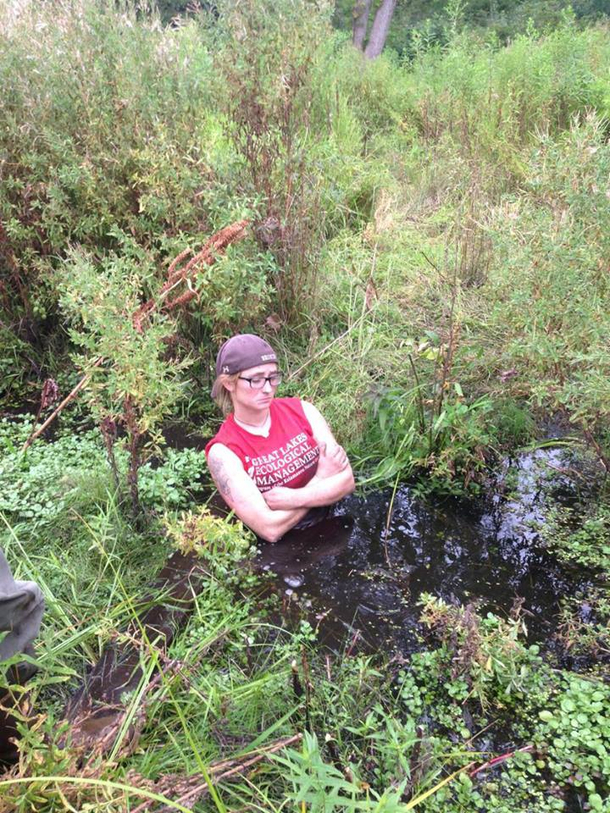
x=317 y=422
x=218 y=452
x=221 y=436
x=290 y=404
x=287 y=404
x=214 y=448
x=310 y=410
x=304 y=411
x=287 y=400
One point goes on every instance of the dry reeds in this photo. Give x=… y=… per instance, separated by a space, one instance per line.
x=179 y=274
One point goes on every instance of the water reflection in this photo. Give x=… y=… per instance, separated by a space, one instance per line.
x=360 y=578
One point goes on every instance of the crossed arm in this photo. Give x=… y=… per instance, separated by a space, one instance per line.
x=272 y=514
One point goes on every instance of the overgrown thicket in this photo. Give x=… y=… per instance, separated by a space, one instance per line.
x=411 y=209
x=427 y=246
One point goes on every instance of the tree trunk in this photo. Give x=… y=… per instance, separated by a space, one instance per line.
x=130 y=421
x=379 y=31
x=361 y=19
x=135 y=442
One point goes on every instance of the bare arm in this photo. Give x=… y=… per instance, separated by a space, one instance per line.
x=241 y=494
x=333 y=480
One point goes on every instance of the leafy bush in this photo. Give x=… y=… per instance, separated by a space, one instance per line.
x=267 y=51
x=492 y=101
x=575 y=734
x=87 y=172
x=431 y=426
x=132 y=383
x=222 y=544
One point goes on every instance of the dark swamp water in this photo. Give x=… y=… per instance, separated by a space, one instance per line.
x=356 y=580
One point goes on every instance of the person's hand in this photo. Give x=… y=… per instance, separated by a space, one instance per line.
x=280 y=498
x=332 y=460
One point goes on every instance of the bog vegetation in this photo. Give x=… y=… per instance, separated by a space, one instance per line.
x=427 y=244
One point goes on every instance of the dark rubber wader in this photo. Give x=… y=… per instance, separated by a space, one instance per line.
x=21 y=609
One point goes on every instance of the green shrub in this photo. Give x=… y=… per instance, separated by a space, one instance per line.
x=493 y=100
x=265 y=64
x=123 y=152
x=132 y=382
x=430 y=426
x=549 y=294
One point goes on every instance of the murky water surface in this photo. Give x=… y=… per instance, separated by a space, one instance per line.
x=364 y=581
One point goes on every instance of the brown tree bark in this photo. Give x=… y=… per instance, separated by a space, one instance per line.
x=380 y=28
x=360 y=14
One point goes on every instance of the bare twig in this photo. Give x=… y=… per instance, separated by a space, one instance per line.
x=492 y=763
x=84 y=380
x=178 y=273
x=191 y=789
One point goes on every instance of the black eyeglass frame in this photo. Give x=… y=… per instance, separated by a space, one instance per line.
x=263 y=378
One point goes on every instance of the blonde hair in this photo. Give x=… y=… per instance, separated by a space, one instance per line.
x=221 y=394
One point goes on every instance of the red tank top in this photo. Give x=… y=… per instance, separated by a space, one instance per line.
x=288 y=457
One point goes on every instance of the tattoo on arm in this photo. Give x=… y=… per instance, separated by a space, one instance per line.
x=220 y=476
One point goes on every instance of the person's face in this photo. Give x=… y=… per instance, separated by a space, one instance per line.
x=247 y=395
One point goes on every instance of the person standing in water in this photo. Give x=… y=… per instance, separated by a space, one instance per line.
x=274 y=460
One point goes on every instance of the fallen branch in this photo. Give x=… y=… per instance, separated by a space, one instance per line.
x=207 y=256
x=492 y=763
x=84 y=380
x=192 y=788
x=178 y=273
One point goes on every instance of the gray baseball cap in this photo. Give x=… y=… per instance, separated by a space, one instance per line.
x=241 y=352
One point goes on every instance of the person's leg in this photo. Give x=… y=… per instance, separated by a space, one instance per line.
x=21 y=609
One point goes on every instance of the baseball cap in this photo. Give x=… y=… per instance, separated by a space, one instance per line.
x=241 y=352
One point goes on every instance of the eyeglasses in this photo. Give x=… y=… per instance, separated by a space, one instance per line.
x=258 y=381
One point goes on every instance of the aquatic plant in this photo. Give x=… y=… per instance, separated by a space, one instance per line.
x=580 y=535
x=574 y=735
x=584 y=624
